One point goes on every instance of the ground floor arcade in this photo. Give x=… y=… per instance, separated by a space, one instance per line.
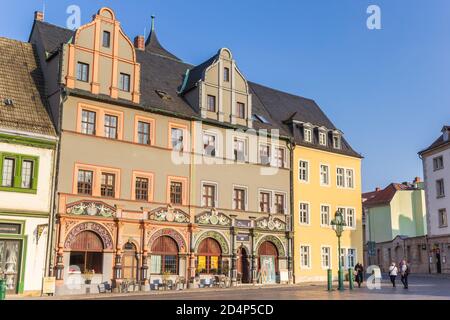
x=101 y=247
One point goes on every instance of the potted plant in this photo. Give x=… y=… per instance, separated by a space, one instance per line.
x=88 y=275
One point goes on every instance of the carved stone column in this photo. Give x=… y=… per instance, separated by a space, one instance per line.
x=144 y=266
x=191 y=262
x=233 y=257
x=254 y=258
x=118 y=258
x=59 y=268
x=289 y=257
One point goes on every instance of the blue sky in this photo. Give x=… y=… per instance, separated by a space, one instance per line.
x=387 y=90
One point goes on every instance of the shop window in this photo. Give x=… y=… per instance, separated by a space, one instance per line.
x=209 y=257
x=164 y=257
x=87 y=253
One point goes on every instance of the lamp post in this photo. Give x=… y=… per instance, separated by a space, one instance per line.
x=338 y=225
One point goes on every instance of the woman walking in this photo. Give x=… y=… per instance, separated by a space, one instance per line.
x=359 y=271
x=393 y=270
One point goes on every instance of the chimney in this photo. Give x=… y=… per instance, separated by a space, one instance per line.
x=377 y=189
x=38 y=16
x=417 y=180
x=139 y=42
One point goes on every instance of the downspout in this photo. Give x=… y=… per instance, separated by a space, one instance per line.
x=49 y=260
x=52 y=234
x=291 y=147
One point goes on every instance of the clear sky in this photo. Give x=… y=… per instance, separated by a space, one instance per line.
x=388 y=90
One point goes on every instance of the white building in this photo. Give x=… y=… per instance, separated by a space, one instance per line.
x=27 y=151
x=436 y=168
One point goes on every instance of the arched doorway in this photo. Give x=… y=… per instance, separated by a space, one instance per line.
x=86 y=252
x=209 y=257
x=130 y=262
x=242 y=265
x=164 y=256
x=268 y=262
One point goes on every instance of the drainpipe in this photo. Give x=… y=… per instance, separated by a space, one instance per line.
x=291 y=262
x=49 y=262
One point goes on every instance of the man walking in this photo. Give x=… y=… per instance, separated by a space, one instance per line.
x=404 y=272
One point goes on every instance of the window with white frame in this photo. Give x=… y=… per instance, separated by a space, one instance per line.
x=264 y=154
x=350 y=217
x=209 y=195
x=324 y=175
x=307 y=135
x=342 y=257
x=303 y=171
x=438 y=163
x=209 y=144
x=443 y=218
x=351 y=258
x=240 y=150
x=440 y=189
x=340 y=177
x=322 y=138
x=279 y=157
x=349 y=178
x=336 y=141
x=304 y=213
x=326 y=257
x=325 y=215
x=305 y=257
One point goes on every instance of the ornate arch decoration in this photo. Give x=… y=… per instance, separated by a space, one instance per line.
x=175 y=235
x=213 y=217
x=243 y=245
x=276 y=241
x=98 y=228
x=220 y=238
x=91 y=208
x=168 y=214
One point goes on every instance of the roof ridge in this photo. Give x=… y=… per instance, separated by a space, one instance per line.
x=281 y=91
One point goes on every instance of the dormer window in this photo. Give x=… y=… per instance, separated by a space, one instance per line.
x=106 y=39
x=322 y=138
x=226 y=74
x=307 y=135
x=336 y=141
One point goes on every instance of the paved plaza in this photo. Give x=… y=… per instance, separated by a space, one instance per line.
x=421 y=287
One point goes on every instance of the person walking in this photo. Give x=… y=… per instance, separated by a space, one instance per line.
x=393 y=270
x=404 y=272
x=359 y=272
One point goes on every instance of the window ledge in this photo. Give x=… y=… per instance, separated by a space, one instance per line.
x=18 y=190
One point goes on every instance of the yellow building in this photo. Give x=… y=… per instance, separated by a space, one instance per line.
x=327 y=178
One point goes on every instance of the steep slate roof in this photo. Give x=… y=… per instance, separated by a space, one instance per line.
x=154 y=46
x=52 y=36
x=196 y=73
x=386 y=195
x=161 y=70
x=165 y=74
x=21 y=80
x=438 y=142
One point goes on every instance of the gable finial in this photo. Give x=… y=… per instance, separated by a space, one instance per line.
x=153 y=23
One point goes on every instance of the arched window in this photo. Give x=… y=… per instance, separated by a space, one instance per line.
x=209 y=257
x=87 y=252
x=129 y=261
x=268 y=253
x=164 y=257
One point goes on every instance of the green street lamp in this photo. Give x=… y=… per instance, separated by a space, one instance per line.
x=338 y=225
